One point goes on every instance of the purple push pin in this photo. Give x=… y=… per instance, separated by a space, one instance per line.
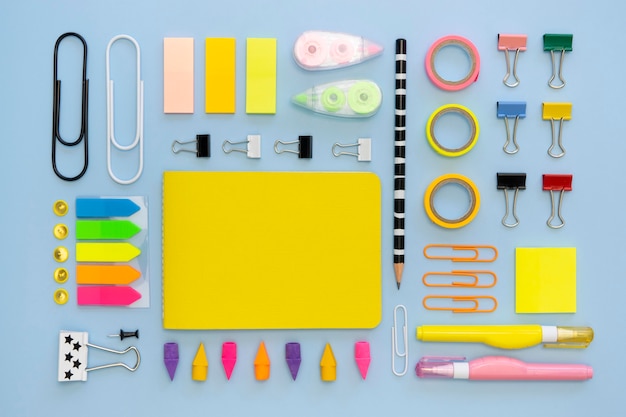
x=292 y=355
x=170 y=357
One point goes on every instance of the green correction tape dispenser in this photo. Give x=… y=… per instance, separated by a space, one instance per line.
x=348 y=98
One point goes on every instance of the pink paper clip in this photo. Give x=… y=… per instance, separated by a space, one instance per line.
x=508 y=43
x=560 y=183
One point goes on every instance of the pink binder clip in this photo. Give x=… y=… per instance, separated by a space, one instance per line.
x=508 y=43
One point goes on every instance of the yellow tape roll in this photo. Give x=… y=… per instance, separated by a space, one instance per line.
x=429 y=203
x=463 y=111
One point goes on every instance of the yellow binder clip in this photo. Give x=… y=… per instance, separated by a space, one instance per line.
x=476 y=252
x=472 y=303
x=557 y=112
x=473 y=283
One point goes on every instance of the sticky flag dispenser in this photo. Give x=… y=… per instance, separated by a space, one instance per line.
x=220 y=75
x=253 y=146
x=203 y=146
x=505 y=182
x=557 y=43
x=305 y=147
x=363 y=149
x=178 y=75
x=511 y=110
x=557 y=112
x=559 y=183
x=261 y=76
x=112 y=251
x=73 y=355
x=137 y=142
x=507 y=43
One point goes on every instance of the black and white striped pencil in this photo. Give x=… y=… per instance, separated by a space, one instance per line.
x=399 y=161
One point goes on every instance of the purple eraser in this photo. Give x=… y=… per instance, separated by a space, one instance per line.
x=293 y=358
x=170 y=358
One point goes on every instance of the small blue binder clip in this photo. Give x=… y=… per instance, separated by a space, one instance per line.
x=508 y=110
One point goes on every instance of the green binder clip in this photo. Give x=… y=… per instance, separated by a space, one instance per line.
x=555 y=42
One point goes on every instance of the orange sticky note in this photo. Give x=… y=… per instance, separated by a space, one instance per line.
x=261 y=76
x=178 y=75
x=220 y=75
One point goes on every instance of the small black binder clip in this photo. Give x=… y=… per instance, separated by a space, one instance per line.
x=506 y=181
x=203 y=146
x=305 y=147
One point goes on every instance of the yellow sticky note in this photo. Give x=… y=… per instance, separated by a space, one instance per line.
x=220 y=75
x=178 y=75
x=545 y=280
x=261 y=75
x=271 y=250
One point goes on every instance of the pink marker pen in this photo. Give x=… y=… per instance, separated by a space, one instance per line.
x=492 y=368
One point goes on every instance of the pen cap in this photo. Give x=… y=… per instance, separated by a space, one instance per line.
x=572 y=337
x=437 y=366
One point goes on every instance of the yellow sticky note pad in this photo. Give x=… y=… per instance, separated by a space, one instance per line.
x=261 y=75
x=271 y=250
x=220 y=75
x=545 y=280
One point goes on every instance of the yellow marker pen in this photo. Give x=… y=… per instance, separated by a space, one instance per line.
x=509 y=336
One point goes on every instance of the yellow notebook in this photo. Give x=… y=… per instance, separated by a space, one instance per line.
x=271 y=250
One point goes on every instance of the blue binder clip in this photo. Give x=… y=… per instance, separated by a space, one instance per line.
x=511 y=110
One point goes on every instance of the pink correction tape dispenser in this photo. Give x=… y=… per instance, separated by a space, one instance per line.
x=319 y=50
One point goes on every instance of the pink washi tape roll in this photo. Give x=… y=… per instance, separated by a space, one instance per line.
x=472 y=53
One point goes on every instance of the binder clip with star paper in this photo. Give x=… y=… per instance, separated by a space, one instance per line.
x=73 y=350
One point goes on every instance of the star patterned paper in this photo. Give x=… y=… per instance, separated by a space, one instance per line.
x=72 y=356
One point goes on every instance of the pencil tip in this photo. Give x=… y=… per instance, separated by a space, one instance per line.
x=398 y=285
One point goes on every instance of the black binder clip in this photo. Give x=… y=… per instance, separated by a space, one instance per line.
x=511 y=182
x=305 y=147
x=56 y=110
x=203 y=146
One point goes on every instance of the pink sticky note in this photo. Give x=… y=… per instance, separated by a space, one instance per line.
x=178 y=75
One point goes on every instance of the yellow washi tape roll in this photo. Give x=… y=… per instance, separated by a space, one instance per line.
x=471 y=119
x=429 y=201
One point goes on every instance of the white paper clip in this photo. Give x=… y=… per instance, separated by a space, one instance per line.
x=253 y=146
x=397 y=340
x=138 y=141
x=363 y=150
x=73 y=356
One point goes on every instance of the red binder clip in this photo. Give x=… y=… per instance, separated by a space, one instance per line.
x=560 y=183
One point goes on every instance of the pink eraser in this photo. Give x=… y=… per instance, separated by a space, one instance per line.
x=362 y=357
x=229 y=357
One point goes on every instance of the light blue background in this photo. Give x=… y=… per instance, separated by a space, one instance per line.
x=30 y=320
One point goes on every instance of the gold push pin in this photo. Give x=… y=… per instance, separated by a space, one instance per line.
x=60 y=231
x=61 y=254
x=61 y=275
x=61 y=296
x=60 y=208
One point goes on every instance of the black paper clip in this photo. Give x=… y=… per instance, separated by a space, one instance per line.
x=511 y=182
x=305 y=147
x=56 y=110
x=203 y=148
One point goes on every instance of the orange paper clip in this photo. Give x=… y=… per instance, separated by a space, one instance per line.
x=474 y=250
x=474 y=283
x=474 y=302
